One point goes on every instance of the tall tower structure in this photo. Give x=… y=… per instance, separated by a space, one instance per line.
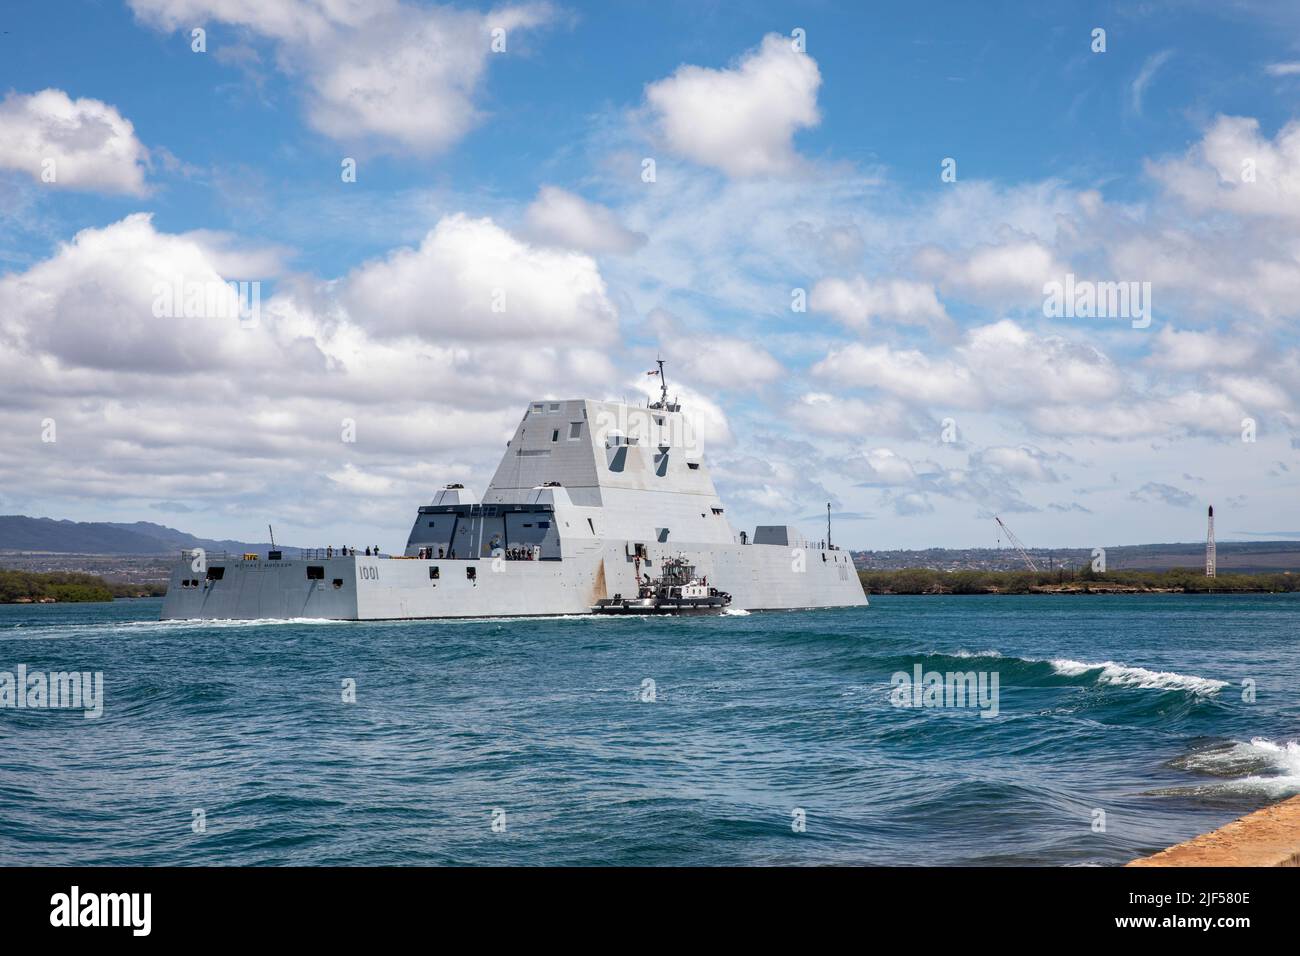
x=1209 y=547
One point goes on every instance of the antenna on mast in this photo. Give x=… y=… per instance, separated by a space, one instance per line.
x=828 y=526
x=663 y=402
x=272 y=534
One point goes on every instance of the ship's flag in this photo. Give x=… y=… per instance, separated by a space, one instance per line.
x=655 y=372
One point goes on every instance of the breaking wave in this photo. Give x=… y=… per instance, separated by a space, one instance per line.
x=1122 y=675
x=1262 y=767
x=1037 y=672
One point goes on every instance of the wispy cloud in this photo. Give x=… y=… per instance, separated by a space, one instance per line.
x=1155 y=491
x=1148 y=72
x=1283 y=69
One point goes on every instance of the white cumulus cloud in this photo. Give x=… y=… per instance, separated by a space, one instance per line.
x=1185 y=350
x=1015 y=268
x=856 y=301
x=399 y=75
x=907 y=373
x=559 y=217
x=82 y=143
x=741 y=120
x=1237 y=169
x=472 y=280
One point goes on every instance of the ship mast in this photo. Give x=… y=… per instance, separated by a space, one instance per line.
x=663 y=402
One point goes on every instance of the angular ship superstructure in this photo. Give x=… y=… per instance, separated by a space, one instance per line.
x=590 y=499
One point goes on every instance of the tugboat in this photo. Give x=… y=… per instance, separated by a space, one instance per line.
x=676 y=591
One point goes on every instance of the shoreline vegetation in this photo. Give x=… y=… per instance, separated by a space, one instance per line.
x=1173 y=581
x=68 y=587
x=60 y=587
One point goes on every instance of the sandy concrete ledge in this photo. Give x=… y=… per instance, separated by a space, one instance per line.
x=1268 y=837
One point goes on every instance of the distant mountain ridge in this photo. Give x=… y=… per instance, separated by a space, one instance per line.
x=21 y=533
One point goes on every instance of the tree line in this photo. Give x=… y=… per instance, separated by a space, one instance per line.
x=70 y=586
x=1190 y=580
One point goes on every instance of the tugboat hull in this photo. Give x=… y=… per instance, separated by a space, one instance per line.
x=699 y=606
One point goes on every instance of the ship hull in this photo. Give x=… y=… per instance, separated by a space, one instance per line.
x=758 y=577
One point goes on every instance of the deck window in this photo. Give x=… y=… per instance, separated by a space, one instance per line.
x=575 y=430
x=471 y=573
x=216 y=574
x=315 y=572
x=434 y=573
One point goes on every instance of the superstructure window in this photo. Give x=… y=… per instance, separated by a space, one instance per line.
x=434 y=573
x=315 y=572
x=693 y=465
x=216 y=574
x=471 y=573
x=575 y=430
x=555 y=435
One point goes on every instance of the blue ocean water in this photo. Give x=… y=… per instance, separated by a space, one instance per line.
x=1131 y=705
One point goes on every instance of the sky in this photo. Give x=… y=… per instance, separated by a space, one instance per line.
x=851 y=230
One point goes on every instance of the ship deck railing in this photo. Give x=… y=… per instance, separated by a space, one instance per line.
x=286 y=554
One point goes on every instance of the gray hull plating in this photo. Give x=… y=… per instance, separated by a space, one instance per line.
x=588 y=496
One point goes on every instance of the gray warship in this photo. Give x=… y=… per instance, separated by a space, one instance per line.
x=589 y=498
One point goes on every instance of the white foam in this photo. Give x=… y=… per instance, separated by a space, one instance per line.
x=1123 y=675
x=1259 y=754
x=1270 y=769
x=736 y=612
x=130 y=628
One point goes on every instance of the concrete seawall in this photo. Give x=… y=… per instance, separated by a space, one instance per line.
x=1268 y=837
